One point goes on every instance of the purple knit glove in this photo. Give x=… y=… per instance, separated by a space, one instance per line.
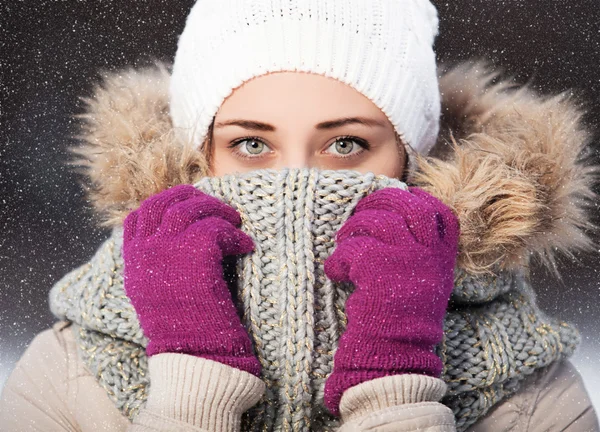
x=173 y=247
x=399 y=250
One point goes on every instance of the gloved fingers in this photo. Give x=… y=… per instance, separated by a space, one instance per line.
x=182 y=214
x=129 y=226
x=419 y=216
x=447 y=222
x=151 y=211
x=235 y=242
x=215 y=231
x=338 y=266
x=389 y=199
x=385 y=226
x=421 y=212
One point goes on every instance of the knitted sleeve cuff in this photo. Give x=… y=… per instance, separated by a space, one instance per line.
x=422 y=416
x=381 y=393
x=205 y=394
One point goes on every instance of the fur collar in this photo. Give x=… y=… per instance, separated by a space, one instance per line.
x=512 y=164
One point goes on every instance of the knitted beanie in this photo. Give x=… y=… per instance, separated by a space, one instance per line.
x=381 y=48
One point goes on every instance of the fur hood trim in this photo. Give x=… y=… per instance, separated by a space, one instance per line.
x=513 y=165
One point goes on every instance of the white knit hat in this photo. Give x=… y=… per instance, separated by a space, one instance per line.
x=382 y=48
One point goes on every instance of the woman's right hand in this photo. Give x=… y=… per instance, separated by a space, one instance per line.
x=173 y=247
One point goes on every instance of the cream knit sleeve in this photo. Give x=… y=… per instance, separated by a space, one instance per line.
x=190 y=393
x=194 y=394
x=398 y=403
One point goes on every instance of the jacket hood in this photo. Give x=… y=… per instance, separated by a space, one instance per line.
x=515 y=166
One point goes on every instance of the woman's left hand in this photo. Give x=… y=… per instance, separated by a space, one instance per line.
x=399 y=250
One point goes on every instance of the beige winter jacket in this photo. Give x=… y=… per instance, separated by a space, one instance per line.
x=513 y=175
x=50 y=389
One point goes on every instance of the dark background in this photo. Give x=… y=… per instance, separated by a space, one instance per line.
x=52 y=52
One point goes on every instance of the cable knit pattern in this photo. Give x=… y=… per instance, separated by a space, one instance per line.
x=494 y=333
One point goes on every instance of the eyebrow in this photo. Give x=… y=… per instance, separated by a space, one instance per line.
x=331 y=124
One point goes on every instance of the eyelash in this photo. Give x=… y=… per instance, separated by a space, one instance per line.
x=364 y=144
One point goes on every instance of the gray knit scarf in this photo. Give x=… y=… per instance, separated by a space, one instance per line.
x=495 y=335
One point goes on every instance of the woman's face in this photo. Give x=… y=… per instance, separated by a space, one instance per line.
x=298 y=120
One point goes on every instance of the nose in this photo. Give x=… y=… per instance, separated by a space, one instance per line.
x=296 y=163
x=301 y=158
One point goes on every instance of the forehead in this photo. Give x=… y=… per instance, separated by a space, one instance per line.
x=296 y=95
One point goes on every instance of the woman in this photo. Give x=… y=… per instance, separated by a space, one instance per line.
x=149 y=337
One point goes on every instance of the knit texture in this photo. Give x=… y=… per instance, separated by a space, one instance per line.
x=379 y=394
x=381 y=48
x=494 y=333
x=207 y=394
